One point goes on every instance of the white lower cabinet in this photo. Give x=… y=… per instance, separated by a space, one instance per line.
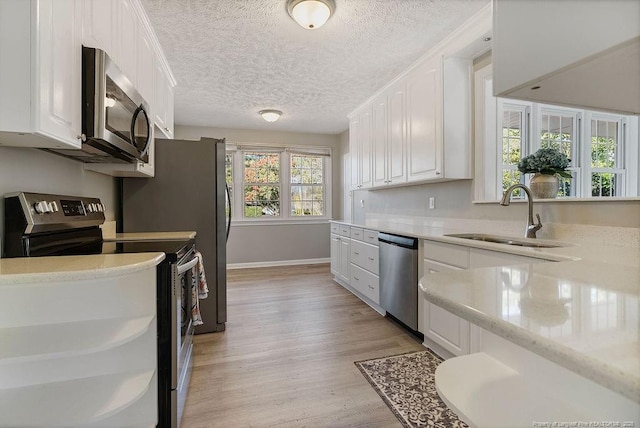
x=354 y=261
x=450 y=332
x=340 y=253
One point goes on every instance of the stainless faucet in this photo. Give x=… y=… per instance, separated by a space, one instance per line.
x=532 y=228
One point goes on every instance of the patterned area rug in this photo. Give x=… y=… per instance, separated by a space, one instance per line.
x=406 y=383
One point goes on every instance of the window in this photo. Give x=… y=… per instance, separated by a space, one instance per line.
x=261 y=184
x=307 y=185
x=602 y=147
x=287 y=183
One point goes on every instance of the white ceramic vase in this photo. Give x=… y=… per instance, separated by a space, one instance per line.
x=544 y=186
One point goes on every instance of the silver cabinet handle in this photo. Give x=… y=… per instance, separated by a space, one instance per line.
x=356 y=253
x=370 y=287
x=371 y=258
x=356 y=278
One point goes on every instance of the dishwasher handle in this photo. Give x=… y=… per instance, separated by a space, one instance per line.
x=399 y=241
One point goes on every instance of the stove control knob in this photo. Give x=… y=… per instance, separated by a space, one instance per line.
x=91 y=208
x=54 y=207
x=100 y=207
x=42 y=207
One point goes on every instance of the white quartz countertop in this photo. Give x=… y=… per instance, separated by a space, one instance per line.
x=154 y=236
x=581 y=311
x=25 y=270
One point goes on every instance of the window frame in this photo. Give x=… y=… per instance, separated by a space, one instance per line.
x=285 y=217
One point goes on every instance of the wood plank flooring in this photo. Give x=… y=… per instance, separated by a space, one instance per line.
x=286 y=357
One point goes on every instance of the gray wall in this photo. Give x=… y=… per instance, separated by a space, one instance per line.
x=269 y=243
x=26 y=169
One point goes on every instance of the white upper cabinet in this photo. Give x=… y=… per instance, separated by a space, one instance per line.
x=163 y=101
x=388 y=135
x=40 y=73
x=418 y=128
x=587 y=54
x=379 y=136
x=126 y=29
x=424 y=120
x=396 y=143
x=361 y=149
x=99 y=21
x=145 y=70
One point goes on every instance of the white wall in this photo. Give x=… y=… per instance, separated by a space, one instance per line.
x=282 y=242
x=34 y=170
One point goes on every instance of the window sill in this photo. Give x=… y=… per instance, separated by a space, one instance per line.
x=613 y=199
x=287 y=222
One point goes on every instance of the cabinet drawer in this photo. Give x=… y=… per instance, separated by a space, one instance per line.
x=357 y=233
x=434 y=267
x=455 y=255
x=344 y=230
x=365 y=256
x=334 y=227
x=371 y=237
x=365 y=283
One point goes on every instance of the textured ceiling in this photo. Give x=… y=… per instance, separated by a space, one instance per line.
x=232 y=58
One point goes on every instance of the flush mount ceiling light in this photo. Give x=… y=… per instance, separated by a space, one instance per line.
x=270 y=115
x=311 y=14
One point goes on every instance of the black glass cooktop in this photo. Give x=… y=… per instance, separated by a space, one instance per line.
x=174 y=250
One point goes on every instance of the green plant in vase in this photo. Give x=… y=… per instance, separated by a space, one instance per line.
x=545 y=165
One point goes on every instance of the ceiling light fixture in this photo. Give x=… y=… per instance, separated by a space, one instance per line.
x=270 y=115
x=311 y=14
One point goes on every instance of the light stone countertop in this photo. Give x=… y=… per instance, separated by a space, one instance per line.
x=581 y=311
x=24 y=270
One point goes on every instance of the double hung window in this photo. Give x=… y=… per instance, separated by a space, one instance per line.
x=280 y=183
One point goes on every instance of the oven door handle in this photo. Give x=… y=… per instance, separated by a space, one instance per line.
x=188 y=265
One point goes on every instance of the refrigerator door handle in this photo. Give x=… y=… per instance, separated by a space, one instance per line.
x=226 y=185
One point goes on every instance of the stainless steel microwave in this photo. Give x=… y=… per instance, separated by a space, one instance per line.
x=116 y=127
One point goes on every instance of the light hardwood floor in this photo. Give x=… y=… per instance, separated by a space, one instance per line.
x=286 y=357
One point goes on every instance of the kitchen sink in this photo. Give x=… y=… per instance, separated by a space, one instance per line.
x=506 y=240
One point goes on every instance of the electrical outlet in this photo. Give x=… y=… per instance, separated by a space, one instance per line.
x=432 y=202
x=361 y=203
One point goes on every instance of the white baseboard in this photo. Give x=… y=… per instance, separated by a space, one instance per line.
x=277 y=263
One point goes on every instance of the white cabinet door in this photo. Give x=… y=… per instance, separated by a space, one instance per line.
x=344 y=271
x=424 y=121
x=354 y=152
x=444 y=328
x=379 y=139
x=335 y=254
x=396 y=152
x=366 y=150
x=98 y=25
x=145 y=68
x=41 y=64
x=126 y=40
x=59 y=67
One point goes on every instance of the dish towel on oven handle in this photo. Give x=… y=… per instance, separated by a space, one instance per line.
x=199 y=289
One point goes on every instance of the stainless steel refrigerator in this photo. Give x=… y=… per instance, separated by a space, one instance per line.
x=188 y=192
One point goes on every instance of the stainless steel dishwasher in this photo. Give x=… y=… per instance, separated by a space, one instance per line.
x=399 y=278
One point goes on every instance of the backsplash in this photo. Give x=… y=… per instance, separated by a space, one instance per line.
x=25 y=169
x=617 y=221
